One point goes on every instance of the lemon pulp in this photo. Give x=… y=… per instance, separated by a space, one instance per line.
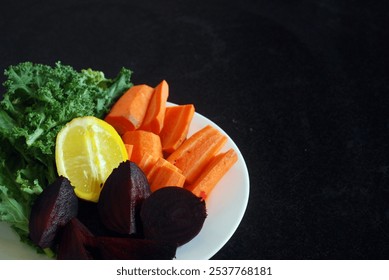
x=87 y=150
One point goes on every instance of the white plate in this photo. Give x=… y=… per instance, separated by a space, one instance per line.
x=225 y=206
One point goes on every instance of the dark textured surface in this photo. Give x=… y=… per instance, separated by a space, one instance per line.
x=301 y=87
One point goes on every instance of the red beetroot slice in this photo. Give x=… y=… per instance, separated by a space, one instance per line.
x=53 y=208
x=173 y=214
x=121 y=198
x=72 y=245
x=127 y=248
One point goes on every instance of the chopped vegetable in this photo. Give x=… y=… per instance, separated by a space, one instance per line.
x=120 y=200
x=53 y=209
x=38 y=101
x=176 y=126
x=163 y=173
x=73 y=241
x=166 y=176
x=130 y=110
x=155 y=115
x=143 y=142
x=213 y=172
x=161 y=162
x=78 y=243
x=173 y=214
x=194 y=154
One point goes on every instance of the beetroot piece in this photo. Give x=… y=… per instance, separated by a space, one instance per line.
x=127 y=248
x=52 y=209
x=73 y=241
x=120 y=200
x=173 y=214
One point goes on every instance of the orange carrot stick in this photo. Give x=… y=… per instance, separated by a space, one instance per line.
x=212 y=173
x=156 y=110
x=166 y=176
x=176 y=126
x=194 y=154
x=129 y=111
x=143 y=141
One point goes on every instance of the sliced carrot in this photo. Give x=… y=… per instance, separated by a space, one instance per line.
x=166 y=176
x=147 y=162
x=129 y=149
x=194 y=154
x=156 y=110
x=143 y=141
x=129 y=111
x=161 y=162
x=176 y=126
x=213 y=172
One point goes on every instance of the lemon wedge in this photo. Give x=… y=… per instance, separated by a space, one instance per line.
x=87 y=150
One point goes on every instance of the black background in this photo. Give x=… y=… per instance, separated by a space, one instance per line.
x=300 y=86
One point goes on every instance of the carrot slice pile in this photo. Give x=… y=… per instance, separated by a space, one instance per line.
x=156 y=139
x=192 y=156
